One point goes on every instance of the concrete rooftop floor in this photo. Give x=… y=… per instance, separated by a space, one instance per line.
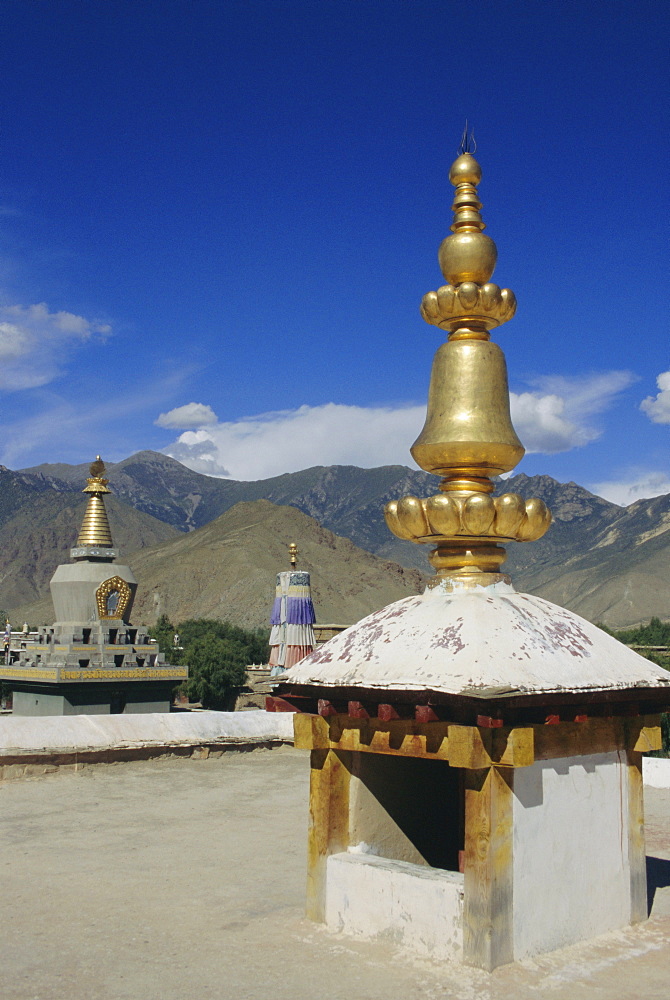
x=179 y=879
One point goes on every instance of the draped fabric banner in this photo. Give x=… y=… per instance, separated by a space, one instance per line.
x=292 y=635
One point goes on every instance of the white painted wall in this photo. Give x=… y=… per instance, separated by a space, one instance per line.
x=571 y=869
x=656 y=772
x=73 y=588
x=370 y=822
x=103 y=732
x=413 y=906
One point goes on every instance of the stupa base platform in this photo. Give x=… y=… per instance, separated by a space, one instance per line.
x=97 y=698
x=92 y=668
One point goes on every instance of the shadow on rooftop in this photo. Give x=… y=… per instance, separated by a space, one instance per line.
x=658 y=877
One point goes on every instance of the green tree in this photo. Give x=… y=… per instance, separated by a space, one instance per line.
x=163 y=632
x=217 y=670
x=656 y=633
x=255 y=641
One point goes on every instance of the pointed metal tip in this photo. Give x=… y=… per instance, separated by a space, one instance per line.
x=468 y=143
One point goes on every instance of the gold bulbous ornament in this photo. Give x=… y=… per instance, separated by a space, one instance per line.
x=97 y=469
x=465 y=170
x=468 y=430
x=443 y=514
x=452 y=307
x=467 y=256
x=468 y=514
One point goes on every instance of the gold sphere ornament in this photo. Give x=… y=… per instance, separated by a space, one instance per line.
x=465 y=170
x=467 y=256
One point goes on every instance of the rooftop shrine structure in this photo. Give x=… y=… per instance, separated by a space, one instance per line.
x=92 y=661
x=476 y=789
x=292 y=618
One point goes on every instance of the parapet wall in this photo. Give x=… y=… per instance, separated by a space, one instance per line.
x=36 y=745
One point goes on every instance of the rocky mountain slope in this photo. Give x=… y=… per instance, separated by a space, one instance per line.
x=344 y=498
x=227 y=568
x=39 y=537
x=615 y=569
x=603 y=561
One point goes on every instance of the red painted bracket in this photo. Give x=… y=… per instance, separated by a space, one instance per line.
x=275 y=704
x=387 y=712
x=425 y=713
x=489 y=722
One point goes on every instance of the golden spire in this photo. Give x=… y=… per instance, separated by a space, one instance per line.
x=468 y=436
x=95 y=529
x=293 y=554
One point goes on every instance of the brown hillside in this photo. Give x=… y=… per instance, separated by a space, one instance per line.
x=227 y=568
x=36 y=540
x=607 y=563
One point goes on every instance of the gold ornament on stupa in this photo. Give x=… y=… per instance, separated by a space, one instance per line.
x=468 y=437
x=293 y=554
x=95 y=530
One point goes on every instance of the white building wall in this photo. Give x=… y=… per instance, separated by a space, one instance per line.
x=571 y=867
x=413 y=906
x=656 y=772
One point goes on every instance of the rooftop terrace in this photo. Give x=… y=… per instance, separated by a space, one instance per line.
x=181 y=879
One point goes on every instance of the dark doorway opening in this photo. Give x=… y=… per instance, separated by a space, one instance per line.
x=117 y=704
x=423 y=799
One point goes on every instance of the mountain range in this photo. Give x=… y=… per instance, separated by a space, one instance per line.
x=227 y=568
x=606 y=562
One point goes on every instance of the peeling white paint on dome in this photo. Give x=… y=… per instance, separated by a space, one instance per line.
x=486 y=641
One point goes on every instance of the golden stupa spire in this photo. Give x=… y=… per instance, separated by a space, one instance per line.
x=468 y=437
x=293 y=554
x=95 y=531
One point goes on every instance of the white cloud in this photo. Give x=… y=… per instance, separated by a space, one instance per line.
x=657 y=407
x=543 y=425
x=270 y=444
x=557 y=417
x=34 y=343
x=637 y=486
x=187 y=417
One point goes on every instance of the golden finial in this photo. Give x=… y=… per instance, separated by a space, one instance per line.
x=471 y=304
x=95 y=531
x=468 y=437
x=97 y=468
x=95 y=482
x=293 y=554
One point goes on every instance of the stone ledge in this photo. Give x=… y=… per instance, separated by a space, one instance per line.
x=36 y=765
x=41 y=741
x=413 y=906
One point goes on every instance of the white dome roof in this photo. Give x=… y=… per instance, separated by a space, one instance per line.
x=481 y=642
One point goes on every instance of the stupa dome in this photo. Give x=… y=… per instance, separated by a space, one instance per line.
x=477 y=642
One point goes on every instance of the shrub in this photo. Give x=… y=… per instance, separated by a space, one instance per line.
x=217 y=670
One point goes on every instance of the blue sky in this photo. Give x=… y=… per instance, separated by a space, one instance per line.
x=217 y=221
